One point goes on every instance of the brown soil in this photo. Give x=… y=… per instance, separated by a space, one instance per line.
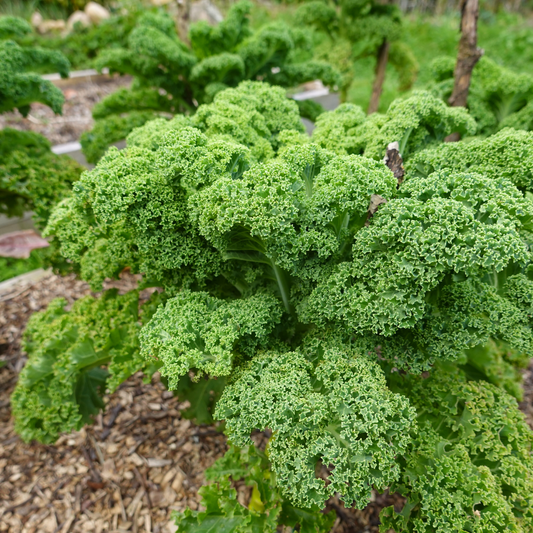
x=76 y=117
x=134 y=466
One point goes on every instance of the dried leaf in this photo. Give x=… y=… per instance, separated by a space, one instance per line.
x=393 y=159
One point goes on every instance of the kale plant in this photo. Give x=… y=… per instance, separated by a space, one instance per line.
x=31 y=177
x=170 y=77
x=370 y=322
x=498 y=97
x=356 y=29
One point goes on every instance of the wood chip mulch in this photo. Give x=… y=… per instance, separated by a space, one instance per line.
x=134 y=466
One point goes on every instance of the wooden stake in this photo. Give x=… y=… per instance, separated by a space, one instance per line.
x=467 y=57
x=381 y=66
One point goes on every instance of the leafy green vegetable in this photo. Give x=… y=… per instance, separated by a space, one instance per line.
x=62 y=385
x=417 y=122
x=304 y=291
x=470 y=467
x=325 y=406
x=31 y=177
x=266 y=510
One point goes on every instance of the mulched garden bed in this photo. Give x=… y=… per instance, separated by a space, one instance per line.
x=134 y=466
x=76 y=118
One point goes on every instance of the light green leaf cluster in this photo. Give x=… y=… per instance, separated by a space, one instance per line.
x=62 y=385
x=415 y=123
x=123 y=200
x=195 y=331
x=506 y=154
x=470 y=468
x=266 y=510
x=325 y=406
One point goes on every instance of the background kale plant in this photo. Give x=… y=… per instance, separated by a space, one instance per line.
x=32 y=178
x=170 y=77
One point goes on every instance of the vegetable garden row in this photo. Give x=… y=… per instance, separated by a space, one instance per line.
x=353 y=308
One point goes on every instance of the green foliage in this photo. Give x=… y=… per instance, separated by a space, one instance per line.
x=12 y=27
x=169 y=77
x=415 y=123
x=354 y=30
x=266 y=510
x=470 y=467
x=325 y=406
x=195 y=330
x=62 y=385
x=32 y=178
x=176 y=253
x=498 y=97
x=82 y=44
x=507 y=154
x=304 y=292
x=20 y=86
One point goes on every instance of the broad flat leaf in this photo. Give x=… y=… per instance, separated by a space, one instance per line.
x=212 y=524
x=89 y=392
x=309 y=521
x=19 y=244
x=202 y=397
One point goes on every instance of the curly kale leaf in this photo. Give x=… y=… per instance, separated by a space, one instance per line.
x=335 y=411
x=195 y=331
x=20 y=85
x=470 y=467
x=207 y=41
x=480 y=326
x=72 y=357
x=307 y=202
x=447 y=225
x=266 y=509
x=170 y=77
x=507 y=154
x=135 y=218
x=252 y=114
x=415 y=123
x=11 y=27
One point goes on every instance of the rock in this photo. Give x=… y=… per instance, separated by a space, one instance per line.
x=78 y=16
x=46 y=26
x=205 y=10
x=96 y=12
x=36 y=19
